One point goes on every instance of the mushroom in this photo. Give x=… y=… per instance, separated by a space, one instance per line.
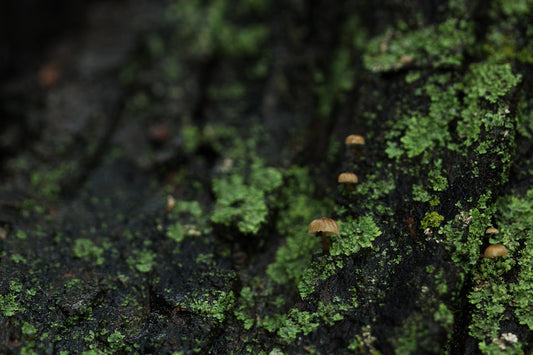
x=348 y=179
x=355 y=140
x=494 y=251
x=410 y=223
x=171 y=202
x=491 y=231
x=323 y=226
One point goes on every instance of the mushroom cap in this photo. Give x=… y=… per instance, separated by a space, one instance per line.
x=325 y=225
x=345 y=178
x=494 y=251
x=492 y=230
x=354 y=139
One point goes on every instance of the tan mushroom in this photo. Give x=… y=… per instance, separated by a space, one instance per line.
x=495 y=251
x=491 y=231
x=325 y=227
x=355 y=140
x=348 y=179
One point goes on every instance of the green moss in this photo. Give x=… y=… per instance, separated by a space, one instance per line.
x=207 y=29
x=191 y=220
x=354 y=235
x=420 y=193
x=15 y=286
x=437 y=180
x=412 y=337
x=29 y=329
x=288 y=326
x=143 y=260
x=20 y=234
x=437 y=46
x=176 y=232
x=244 y=204
x=9 y=305
x=46 y=182
x=494 y=296
x=85 y=248
x=332 y=87
x=490 y=81
x=431 y=219
x=298 y=208
x=215 y=305
x=320 y=270
x=484 y=82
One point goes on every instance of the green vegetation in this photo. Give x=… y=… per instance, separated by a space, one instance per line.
x=355 y=234
x=245 y=203
x=298 y=208
x=85 y=248
x=431 y=46
x=229 y=264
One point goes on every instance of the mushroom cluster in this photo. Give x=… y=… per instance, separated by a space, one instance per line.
x=326 y=226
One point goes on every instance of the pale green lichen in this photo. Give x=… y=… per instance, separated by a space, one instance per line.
x=318 y=271
x=243 y=203
x=215 y=305
x=431 y=219
x=86 y=248
x=354 y=235
x=298 y=209
x=436 y=46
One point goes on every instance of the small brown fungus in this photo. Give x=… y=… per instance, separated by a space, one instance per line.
x=348 y=179
x=171 y=202
x=491 y=231
x=325 y=227
x=410 y=223
x=495 y=251
x=355 y=140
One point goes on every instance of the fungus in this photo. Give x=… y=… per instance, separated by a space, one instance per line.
x=171 y=202
x=325 y=227
x=494 y=251
x=355 y=140
x=491 y=231
x=348 y=179
x=410 y=222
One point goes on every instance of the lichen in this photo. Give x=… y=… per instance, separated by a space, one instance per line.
x=355 y=234
x=244 y=203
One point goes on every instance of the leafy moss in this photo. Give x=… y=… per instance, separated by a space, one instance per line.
x=215 y=305
x=208 y=29
x=85 y=248
x=354 y=235
x=244 y=204
x=298 y=209
x=288 y=326
x=320 y=270
x=9 y=305
x=437 y=46
x=490 y=81
x=431 y=219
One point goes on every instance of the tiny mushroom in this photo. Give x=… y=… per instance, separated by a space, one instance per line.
x=410 y=223
x=171 y=202
x=494 y=251
x=348 y=179
x=491 y=231
x=323 y=226
x=355 y=140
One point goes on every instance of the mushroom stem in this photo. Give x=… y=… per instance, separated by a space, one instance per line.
x=357 y=151
x=410 y=222
x=324 y=241
x=350 y=186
